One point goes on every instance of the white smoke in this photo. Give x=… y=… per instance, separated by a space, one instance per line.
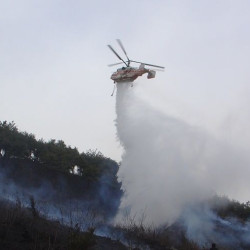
x=204 y=226
x=168 y=165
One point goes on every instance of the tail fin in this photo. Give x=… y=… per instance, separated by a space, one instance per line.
x=151 y=74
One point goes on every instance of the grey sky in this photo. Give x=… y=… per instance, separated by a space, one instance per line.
x=54 y=78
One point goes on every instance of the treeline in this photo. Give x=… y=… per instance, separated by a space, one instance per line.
x=227 y=208
x=56 y=173
x=54 y=153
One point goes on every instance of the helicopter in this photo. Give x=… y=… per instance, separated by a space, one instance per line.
x=128 y=73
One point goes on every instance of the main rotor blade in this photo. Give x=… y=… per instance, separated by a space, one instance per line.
x=116 y=54
x=110 y=65
x=123 y=49
x=149 y=64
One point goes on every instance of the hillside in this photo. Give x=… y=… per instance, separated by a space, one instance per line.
x=25 y=229
x=53 y=197
x=58 y=177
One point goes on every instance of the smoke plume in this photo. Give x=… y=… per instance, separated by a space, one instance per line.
x=168 y=167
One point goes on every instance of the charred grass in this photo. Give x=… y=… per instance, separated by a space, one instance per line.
x=23 y=228
x=27 y=228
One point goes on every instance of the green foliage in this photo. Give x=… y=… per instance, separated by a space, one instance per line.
x=226 y=208
x=94 y=165
x=14 y=143
x=56 y=154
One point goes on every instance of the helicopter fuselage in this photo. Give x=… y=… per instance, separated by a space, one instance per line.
x=129 y=74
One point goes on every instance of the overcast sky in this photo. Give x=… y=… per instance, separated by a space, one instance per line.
x=55 y=82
